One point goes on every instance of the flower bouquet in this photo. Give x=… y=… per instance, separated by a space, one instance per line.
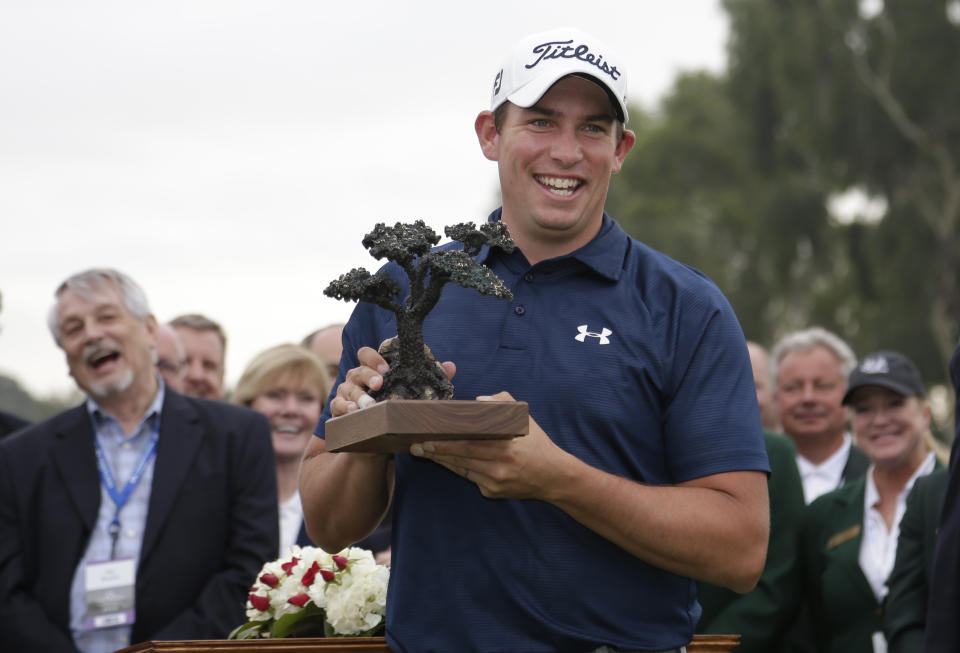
x=312 y=593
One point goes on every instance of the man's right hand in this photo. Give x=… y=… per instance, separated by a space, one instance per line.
x=352 y=392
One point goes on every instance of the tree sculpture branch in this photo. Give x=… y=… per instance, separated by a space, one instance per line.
x=414 y=373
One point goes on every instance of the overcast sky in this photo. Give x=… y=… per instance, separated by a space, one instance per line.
x=230 y=155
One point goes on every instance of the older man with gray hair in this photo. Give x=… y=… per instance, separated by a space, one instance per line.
x=139 y=515
x=809 y=369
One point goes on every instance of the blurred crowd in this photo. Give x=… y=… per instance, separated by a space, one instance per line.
x=856 y=494
x=207 y=479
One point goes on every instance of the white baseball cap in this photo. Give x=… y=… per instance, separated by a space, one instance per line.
x=538 y=61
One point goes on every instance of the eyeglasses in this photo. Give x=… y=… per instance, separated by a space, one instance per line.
x=173 y=367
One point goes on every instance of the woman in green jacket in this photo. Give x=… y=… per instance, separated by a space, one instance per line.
x=849 y=538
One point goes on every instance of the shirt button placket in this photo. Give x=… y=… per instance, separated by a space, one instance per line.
x=520 y=309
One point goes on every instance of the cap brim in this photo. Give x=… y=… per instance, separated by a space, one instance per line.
x=530 y=93
x=889 y=384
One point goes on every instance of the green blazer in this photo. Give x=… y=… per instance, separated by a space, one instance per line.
x=844 y=612
x=799 y=637
x=762 y=615
x=856 y=467
x=905 y=609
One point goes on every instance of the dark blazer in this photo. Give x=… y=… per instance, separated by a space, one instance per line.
x=211 y=524
x=800 y=637
x=905 y=609
x=856 y=467
x=763 y=615
x=10 y=423
x=943 y=624
x=844 y=611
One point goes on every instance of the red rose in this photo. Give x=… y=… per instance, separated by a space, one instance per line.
x=327 y=575
x=261 y=603
x=299 y=600
x=310 y=574
x=269 y=579
x=288 y=566
x=341 y=562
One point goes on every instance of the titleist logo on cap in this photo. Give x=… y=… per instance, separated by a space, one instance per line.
x=563 y=50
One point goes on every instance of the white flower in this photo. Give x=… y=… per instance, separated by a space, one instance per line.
x=350 y=587
x=358 y=601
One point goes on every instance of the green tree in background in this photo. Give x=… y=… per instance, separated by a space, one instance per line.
x=735 y=173
x=16 y=400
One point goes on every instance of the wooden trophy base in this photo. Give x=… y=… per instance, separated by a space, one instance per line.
x=392 y=426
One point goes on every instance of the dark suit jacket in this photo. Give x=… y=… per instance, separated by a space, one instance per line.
x=943 y=624
x=905 y=609
x=762 y=616
x=844 y=611
x=211 y=523
x=10 y=423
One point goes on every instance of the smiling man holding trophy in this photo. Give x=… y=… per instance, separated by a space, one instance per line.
x=644 y=465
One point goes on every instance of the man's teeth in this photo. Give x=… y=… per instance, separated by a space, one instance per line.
x=287 y=429
x=560 y=185
x=100 y=358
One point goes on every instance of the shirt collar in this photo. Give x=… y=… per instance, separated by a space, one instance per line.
x=872 y=496
x=98 y=415
x=832 y=467
x=604 y=254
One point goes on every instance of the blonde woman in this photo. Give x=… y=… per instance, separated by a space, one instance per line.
x=289 y=385
x=850 y=534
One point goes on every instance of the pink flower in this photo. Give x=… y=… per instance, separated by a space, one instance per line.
x=288 y=566
x=261 y=603
x=269 y=579
x=310 y=574
x=341 y=562
x=327 y=575
x=299 y=600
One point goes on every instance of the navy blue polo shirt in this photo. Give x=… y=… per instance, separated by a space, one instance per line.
x=632 y=362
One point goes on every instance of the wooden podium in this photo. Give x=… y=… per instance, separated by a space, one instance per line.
x=700 y=644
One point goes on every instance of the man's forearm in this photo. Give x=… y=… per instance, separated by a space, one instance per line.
x=344 y=495
x=713 y=529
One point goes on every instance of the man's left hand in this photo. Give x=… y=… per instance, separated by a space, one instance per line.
x=524 y=467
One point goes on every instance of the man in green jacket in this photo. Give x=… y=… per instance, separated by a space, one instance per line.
x=763 y=615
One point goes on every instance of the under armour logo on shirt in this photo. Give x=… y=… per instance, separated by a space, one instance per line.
x=602 y=336
x=875 y=365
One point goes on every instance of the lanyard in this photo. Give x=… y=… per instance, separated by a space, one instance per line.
x=120 y=497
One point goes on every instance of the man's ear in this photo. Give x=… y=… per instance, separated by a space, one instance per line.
x=623 y=147
x=151 y=323
x=486 y=129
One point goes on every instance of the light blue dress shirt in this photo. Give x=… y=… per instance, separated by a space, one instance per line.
x=122 y=452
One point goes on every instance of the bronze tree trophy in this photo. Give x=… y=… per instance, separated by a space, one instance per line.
x=401 y=417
